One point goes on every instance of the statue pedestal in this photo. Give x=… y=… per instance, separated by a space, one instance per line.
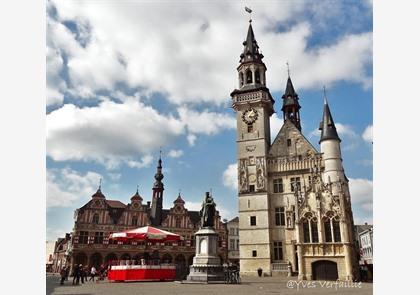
x=206 y=265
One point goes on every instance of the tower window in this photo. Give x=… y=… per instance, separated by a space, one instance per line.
x=253 y=220
x=336 y=231
x=327 y=230
x=306 y=234
x=314 y=231
x=279 y=214
x=252 y=188
x=257 y=76
x=278 y=185
x=241 y=79
x=248 y=77
x=278 y=251
x=289 y=142
x=250 y=127
x=254 y=253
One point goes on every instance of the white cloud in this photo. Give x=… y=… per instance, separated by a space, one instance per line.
x=205 y=122
x=350 y=139
x=191 y=61
x=361 y=191
x=55 y=85
x=66 y=187
x=175 y=153
x=230 y=177
x=110 y=133
x=368 y=134
x=191 y=138
x=275 y=124
x=124 y=133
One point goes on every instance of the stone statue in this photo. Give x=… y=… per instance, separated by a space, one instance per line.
x=208 y=211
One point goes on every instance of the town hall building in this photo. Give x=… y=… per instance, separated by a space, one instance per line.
x=294 y=202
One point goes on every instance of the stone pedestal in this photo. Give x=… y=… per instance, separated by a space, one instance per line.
x=206 y=265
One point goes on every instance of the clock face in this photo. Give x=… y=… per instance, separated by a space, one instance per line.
x=250 y=116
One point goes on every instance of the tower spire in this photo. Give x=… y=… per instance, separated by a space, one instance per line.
x=327 y=126
x=291 y=104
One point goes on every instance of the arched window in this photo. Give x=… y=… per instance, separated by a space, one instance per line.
x=241 y=79
x=248 y=77
x=257 y=76
x=134 y=220
x=95 y=218
x=310 y=229
x=332 y=228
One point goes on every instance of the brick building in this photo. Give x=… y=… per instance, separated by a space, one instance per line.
x=100 y=217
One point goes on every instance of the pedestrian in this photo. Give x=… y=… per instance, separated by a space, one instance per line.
x=92 y=273
x=63 y=275
x=82 y=273
x=76 y=274
x=86 y=272
x=67 y=273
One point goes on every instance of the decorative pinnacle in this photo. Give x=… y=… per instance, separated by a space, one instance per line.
x=100 y=183
x=137 y=189
x=288 y=69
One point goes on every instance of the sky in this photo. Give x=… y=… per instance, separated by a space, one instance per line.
x=128 y=78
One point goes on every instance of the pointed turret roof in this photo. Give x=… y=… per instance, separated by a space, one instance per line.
x=99 y=193
x=251 y=50
x=290 y=96
x=327 y=126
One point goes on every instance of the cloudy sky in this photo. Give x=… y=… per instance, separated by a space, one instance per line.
x=125 y=78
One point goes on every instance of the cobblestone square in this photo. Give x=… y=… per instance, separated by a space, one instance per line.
x=250 y=285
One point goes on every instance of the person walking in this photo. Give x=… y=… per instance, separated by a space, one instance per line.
x=82 y=273
x=92 y=273
x=63 y=275
x=76 y=274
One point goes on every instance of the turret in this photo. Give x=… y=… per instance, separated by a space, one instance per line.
x=291 y=105
x=157 y=199
x=330 y=147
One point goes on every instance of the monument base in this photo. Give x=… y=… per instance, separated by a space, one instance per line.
x=206 y=265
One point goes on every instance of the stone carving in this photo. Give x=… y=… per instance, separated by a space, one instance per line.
x=243 y=176
x=260 y=165
x=250 y=148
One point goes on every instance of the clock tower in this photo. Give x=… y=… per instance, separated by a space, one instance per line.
x=253 y=104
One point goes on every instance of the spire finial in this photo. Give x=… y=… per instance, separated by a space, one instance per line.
x=137 y=189
x=160 y=153
x=100 y=183
x=179 y=192
x=249 y=10
x=288 y=69
x=325 y=96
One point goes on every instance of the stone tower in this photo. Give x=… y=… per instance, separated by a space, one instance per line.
x=294 y=202
x=253 y=104
x=157 y=198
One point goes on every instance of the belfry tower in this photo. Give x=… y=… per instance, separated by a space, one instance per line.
x=253 y=104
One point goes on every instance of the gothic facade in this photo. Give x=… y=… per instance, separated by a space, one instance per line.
x=294 y=201
x=100 y=217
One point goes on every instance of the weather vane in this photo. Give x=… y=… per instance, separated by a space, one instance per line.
x=100 y=183
x=249 y=10
x=137 y=188
x=288 y=69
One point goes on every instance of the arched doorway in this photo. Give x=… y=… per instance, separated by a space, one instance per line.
x=110 y=258
x=96 y=260
x=80 y=258
x=324 y=270
x=166 y=258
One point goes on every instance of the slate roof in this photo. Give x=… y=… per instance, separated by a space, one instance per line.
x=115 y=204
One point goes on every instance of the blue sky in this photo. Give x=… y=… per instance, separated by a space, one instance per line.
x=126 y=78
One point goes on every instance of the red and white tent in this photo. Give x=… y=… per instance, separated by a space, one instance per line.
x=146 y=233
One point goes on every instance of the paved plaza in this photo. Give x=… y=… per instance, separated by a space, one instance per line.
x=250 y=285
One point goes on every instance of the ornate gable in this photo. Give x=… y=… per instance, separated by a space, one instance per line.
x=290 y=142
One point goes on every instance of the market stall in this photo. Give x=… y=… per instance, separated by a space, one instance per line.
x=129 y=270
